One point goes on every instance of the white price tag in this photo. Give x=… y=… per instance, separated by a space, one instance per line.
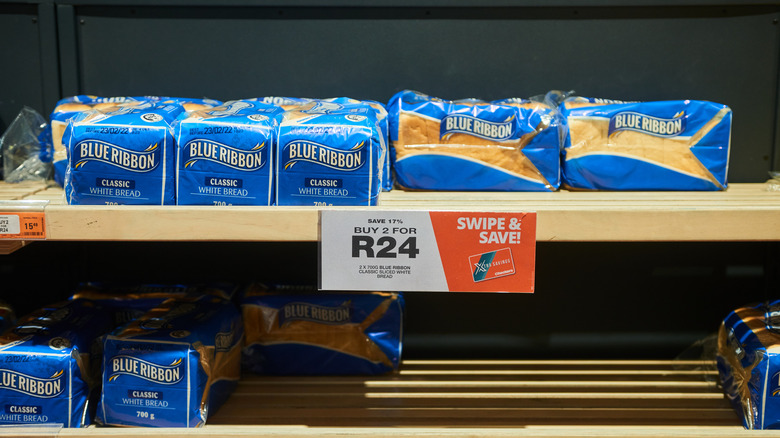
x=379 y=250
x=9 y=224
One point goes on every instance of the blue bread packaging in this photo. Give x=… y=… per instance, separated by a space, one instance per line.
x=384 y=128
x=225 y=154
x=664 y=145
x=473 y=145
x=748 y=361
x=67 y=108
x=291 y=103
x=64 y=110
x=286 y=103
x=380 y=111
x=329 y=153
x=125 y=155
x=48 y=365
x=128 y=301
x=290 y=331
x=173 y=366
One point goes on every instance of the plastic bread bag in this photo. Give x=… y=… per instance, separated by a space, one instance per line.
x=748 y=363
x=292 y=103
x=299 y=331
x=175 y=365
x=24 y=148
x=382 y=121
x=329 y=153
x=126 y=302
x=470 y=144
x=286 y=103
x=224 y=154
x=48 y=364
x=665 y=145
x=773 y=185
x=192 y=104
x=70 y=106
x=124 y=154
x=67 y=108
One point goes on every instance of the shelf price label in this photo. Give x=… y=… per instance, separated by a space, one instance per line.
x=436 y=251
x=22 y=226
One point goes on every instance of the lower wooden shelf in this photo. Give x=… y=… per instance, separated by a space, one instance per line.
x=474 y=398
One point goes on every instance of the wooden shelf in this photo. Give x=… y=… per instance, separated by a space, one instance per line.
x=744 y=212
x=476 y=398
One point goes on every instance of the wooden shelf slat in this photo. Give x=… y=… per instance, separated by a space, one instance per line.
x=406 y=405
x=744 y=212
x=627 y=393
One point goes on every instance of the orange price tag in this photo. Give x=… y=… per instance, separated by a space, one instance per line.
x=22 y=226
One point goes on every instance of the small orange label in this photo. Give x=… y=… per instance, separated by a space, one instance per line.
x=22 y=226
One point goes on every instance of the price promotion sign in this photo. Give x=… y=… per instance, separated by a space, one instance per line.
x=22 y=226
x=440 y=251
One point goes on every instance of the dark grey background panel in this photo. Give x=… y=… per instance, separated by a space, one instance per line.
x=412 y=3
x=50 y=74
x=727 y=55
x=67 y=46
x=592 y=300
x=20 y=58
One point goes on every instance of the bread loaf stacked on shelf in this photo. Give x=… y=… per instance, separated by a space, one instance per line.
x=124 y=154
x=176 y=364
x=330 y=153
x=53 y=360
x=749 y=363
x=69 y=107
x=174 y=352
x=335 y=151
x=380 y=112
x=672 y=145
x=48 y=364
x=506 y=145
x=299 y=331
x=316 y=152
x=224 y=155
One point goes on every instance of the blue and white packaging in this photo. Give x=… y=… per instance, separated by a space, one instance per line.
x=666 y=145
x=292 y=331
x=126 y=302
x=172 y=367
x=190 y=103
x=329 y=154
x=473 y=145
x=47 y=365
x=65 y=110
x=123 y=156
x=384 y=129
x=292 y=103
x=225 y=154
x=286 y=103
x=380 y=112
x=749 y=363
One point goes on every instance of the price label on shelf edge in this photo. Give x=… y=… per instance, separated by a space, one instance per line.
x=22 y=226
x=434 y=251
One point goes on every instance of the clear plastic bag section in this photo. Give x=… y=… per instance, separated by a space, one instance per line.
x=24 y=148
